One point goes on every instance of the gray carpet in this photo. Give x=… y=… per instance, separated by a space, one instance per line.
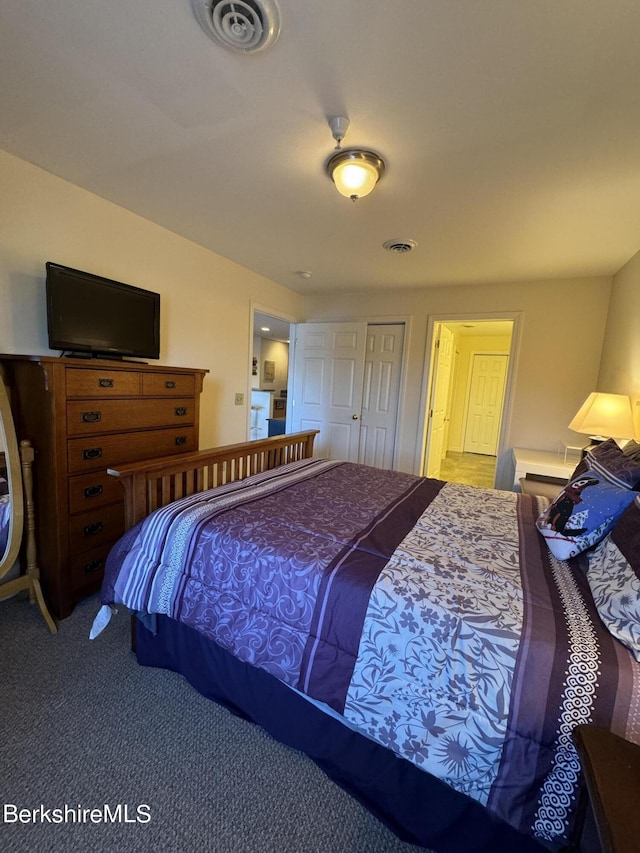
x=83 y=726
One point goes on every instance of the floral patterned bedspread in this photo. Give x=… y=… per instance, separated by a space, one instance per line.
x=430 y=615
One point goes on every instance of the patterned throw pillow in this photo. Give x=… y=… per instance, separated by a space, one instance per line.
x=632 y=450
x=614 y=579
x=623 y=462
x=588 y=507
x=608 y=456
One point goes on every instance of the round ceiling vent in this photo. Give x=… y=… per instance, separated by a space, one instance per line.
x=246 y=26
x=400 y=247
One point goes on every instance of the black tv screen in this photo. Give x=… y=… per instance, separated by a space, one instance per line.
x=95 y=316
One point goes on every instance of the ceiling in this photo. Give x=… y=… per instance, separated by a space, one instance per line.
x=510 y=131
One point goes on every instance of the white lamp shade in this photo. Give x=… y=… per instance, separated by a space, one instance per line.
x=355 y=172
x=605 y=415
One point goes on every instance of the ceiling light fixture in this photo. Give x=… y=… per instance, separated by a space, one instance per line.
x=354 y=171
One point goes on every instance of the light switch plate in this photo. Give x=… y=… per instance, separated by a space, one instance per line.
x=239 y=399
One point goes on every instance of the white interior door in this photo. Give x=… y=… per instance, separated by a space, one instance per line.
x=381 y=393
x=450 y=396
x=443 y=361
x=328 y=376
x=486 y=394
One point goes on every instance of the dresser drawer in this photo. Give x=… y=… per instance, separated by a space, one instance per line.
x=97 y=527
x=100 y=452
x=86 y=570
x=91 y=417
x=167 y=384
x=102 y=383
x=90 y=491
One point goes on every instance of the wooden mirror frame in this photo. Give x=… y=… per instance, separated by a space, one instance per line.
x=20 y=480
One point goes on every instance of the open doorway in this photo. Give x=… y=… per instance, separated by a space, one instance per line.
x=469 y=375
x=269 y=375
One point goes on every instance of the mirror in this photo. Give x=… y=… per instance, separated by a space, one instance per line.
x=17 y=516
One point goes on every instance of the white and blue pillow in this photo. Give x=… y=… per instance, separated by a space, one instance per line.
x=582 y=514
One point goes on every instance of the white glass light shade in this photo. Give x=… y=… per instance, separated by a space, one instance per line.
x=355 y=172
x=605 y=415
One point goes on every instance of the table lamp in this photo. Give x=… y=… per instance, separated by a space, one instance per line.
x=603 y=416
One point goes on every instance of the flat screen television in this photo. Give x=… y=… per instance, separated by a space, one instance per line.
x=92 y=316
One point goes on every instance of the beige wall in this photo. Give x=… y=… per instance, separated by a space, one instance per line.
x=278 y=353
x=620 y=365
x=205 y=299
x=206 y=311
x=561 y=330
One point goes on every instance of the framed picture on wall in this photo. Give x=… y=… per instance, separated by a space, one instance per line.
x=269 y=373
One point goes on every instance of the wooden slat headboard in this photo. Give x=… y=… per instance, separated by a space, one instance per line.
x=153 y=483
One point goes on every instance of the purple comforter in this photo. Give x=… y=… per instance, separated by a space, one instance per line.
x=431 y=616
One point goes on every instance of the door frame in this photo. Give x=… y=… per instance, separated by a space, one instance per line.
x=277 y=314
x=427 y=378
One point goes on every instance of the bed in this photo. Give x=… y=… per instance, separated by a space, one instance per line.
x=418 y=639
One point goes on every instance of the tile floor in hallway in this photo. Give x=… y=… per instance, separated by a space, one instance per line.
x=474 y=469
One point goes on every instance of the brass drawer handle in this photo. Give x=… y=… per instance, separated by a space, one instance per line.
x=93 y=491
x=181 y=439
x=92 y=453
x=93 y=566
x=181 y=411
x=91 y=417
x=92 y=529
x=105 y=383
x=169 y=383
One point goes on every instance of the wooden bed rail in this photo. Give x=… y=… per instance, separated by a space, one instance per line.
x=153 y=483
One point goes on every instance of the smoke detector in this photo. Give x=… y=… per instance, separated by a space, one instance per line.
x=400 y=247
x=246 y=26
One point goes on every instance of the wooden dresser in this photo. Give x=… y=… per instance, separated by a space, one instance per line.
x=83 y=416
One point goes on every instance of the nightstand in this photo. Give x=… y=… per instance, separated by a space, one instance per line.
x=611 y=768
x=546 y=465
